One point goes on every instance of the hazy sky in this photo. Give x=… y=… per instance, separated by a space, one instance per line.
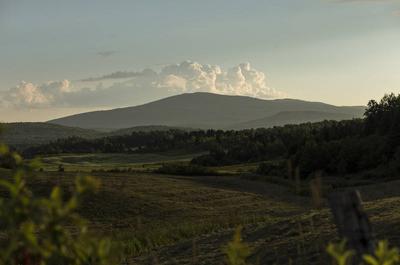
x=343 y=52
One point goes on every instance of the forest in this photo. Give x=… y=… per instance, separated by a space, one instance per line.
x=332 y=147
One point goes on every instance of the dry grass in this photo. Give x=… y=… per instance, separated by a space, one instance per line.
x=186 y=220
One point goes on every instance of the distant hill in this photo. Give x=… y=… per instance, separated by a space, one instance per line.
x=26 y=134
x=292 y=117
x=23 y=134
x=206 y=110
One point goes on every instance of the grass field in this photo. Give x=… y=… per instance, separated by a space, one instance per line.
x=145 y=212
x=165 y=219
x=89 y=162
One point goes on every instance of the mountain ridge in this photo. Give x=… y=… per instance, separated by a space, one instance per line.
x=199 y=110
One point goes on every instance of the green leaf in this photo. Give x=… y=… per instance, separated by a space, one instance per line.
x=4 y=149
x=56 y=194
x=339 y=253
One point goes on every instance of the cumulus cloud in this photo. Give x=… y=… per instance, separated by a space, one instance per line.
x=143 y=86
x=194 y=77
x=31 y=95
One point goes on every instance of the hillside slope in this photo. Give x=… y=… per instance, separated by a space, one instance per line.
x=23 y=134
x=27 y=134
x=292 y=117
x=199 y=110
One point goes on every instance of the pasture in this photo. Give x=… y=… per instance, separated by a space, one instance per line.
x=171 y=219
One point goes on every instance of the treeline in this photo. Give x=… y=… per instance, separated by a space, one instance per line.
x=335 y=147
x=136 y=142
x=343 y=147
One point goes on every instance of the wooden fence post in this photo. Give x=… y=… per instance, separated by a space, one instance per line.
x=351 y=221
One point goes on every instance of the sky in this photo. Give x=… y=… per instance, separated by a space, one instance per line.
x=63 y=57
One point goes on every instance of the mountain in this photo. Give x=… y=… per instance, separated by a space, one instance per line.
x=203 y=110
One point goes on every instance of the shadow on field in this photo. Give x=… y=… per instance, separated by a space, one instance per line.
x=267 y=190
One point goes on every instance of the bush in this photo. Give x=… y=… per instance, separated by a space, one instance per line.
x=273 y=168
x=206 y=160
x=383 y=254
x=38 y=230
x=8 y=159
x=185 y=170
x=236 y=251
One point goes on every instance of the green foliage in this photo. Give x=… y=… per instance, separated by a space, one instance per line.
x=45 y=231
x=273 y=168
x=383 y=254
x=339 y=253
x=384 y=115
x=137 y=141
x=236 y=251
x=8 y=159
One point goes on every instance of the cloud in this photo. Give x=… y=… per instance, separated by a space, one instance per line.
x=31 y=95
x=120 y=75
x=194 y=77
x=139 y=87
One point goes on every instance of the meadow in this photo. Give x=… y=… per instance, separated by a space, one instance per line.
x=103 y=161
x=171 y=219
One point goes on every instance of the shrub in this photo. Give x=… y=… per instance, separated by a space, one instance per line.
x=45 y=231
x=7 y=158
x=236 y=252
x=185 y=170
x=383 y=254
x=273 y=168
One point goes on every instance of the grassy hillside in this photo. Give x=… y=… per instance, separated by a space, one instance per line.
x=292 y=238
x=145 y=212
x=199 y=110
x=24 y=134
x=136 y=162
x=161 y=219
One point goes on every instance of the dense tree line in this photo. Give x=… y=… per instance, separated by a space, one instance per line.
x=141 y=141
x=333 y=147
x=336 y=147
